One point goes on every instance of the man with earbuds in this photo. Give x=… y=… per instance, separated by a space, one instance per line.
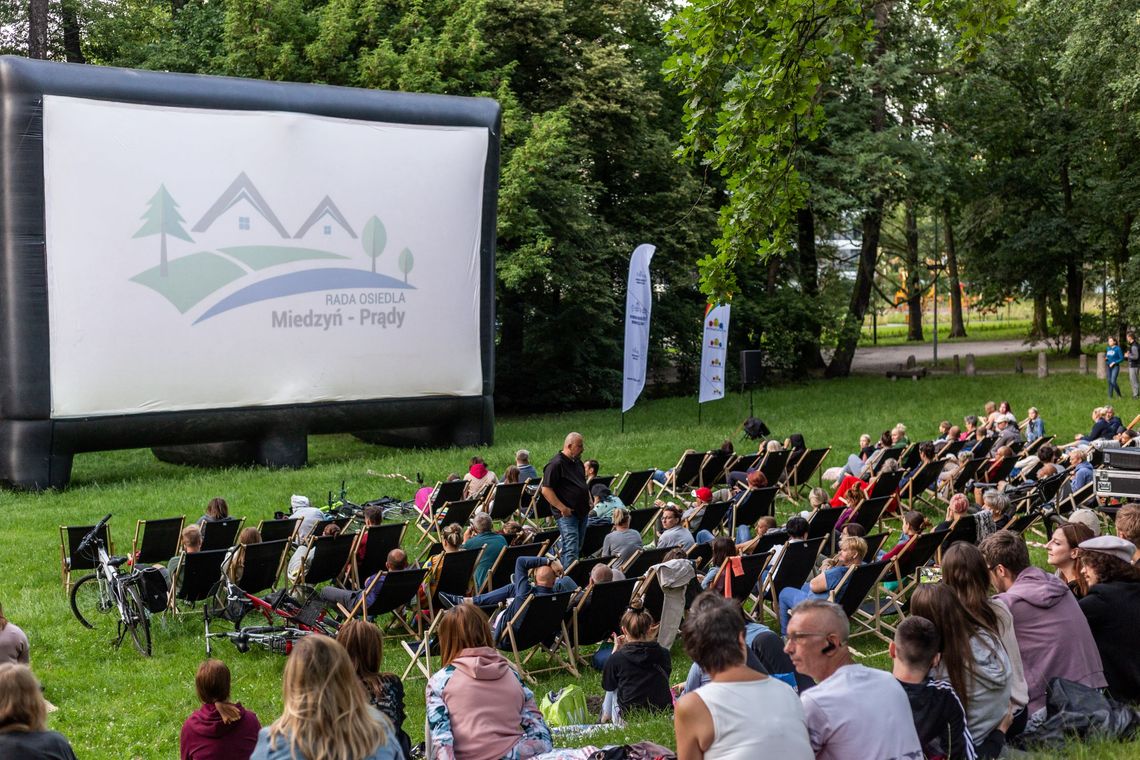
x=854 y=711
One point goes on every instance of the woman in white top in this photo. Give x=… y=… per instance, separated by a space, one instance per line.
x=719 y=721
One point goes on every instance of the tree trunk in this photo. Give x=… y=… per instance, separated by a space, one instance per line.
x=1057 y=309
x=1118 y=264
x=861 y=296
x=840 y=365
x=957 y=324
x=1040 y=327
x=810 y=357
x=37 y=29
x=69 y=18
x=913 y=281
x=1074 y=276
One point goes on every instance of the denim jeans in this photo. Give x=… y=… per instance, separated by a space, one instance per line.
x=572 y=530
x=1113 y=374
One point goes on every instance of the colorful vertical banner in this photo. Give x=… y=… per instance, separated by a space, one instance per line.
x=713 y=352
x=638 y=305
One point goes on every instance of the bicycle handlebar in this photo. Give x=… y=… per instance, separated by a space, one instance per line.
x=92 y=536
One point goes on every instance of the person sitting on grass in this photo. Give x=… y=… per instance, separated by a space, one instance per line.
x=14 y=646
x=853 y=711
x=385 y=691
x=720 y=720
x=478 y=707
x=325 y=712
x=939 y=717
x=219 y=729
x=23 y=718
x=1063 y=554
x=636 y=676
x=974 y=661
x=852 y=550
x=1112 y=607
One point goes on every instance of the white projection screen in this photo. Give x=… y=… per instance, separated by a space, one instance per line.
x=211 y=259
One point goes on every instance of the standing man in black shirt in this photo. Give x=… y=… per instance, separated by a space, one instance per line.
x=564 y=486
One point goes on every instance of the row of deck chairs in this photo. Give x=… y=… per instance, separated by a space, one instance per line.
x=791 y=470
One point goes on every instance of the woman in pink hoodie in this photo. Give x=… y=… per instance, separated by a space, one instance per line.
x=477 y=706
x=219 y=729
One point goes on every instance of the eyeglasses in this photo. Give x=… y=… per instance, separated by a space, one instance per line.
x=795 y=637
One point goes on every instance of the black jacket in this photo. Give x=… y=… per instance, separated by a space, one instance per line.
x=1112 y=610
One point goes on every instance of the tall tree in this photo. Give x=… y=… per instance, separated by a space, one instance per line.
x=37 y=28
x=162 y=219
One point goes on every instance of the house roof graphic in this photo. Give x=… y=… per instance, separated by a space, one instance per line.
x=326 y=206
x=240 y=189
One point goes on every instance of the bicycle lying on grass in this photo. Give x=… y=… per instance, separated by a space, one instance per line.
x=107 y=591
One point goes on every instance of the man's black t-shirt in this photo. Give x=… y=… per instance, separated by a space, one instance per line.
x=939 y=720
x=567 y=477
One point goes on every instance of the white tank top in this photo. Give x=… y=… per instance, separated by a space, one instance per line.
x=754 y=719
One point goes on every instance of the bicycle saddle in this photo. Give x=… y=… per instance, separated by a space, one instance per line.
x=117 y=561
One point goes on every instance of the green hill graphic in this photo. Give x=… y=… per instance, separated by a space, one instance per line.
x=258 y=257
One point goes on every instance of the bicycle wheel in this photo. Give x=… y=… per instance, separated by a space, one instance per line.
x=90 y=602
x=138 y=620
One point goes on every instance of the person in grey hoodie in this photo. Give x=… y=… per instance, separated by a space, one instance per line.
x=1052 y=633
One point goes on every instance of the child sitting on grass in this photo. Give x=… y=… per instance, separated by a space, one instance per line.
x=636 y=676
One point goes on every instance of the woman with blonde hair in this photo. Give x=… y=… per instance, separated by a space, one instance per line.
x=219 y=728
x=365 y=647
x=23 y=714
x=477 y=706
x=325 y=713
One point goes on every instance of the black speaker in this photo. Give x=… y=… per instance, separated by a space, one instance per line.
x=1122 y=459
x=751 y=367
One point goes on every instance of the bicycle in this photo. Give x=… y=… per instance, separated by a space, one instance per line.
x=107 y=590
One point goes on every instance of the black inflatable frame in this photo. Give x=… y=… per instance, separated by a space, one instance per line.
x=35 y=450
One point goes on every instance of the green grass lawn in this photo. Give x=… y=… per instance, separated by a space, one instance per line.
x=116 y=704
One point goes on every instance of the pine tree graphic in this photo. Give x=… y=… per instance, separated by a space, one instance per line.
x=162 y=218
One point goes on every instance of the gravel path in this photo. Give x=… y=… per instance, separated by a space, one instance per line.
x=888 y=357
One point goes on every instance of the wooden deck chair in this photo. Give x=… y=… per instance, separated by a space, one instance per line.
x=822 y=522
x=643 y=559
x=909 y=458
x=905 y=568
x=1024 y=521
x=982 y=448
x=277 y=530
x=597 y=614
x=378 y=540
x=196 y=577
x=700 y=554
x=870 y=512
x=961 y=480
x=793 y=568
x=156 y=540
x=453 y=513
x=1037 y=443
x=456 y=574
x=642 y=520
x=768 y=542
x=579 y=571
x=965 y=529
x=652 y=596
x=1001 y=470
x=685 y=473
x=261 y=565
x=593 y=539
x=773 y=465
x=754 y=504
x=711 y=518
x=540 y=626
x=752 y=566
x=874 y=545
x=605 y=480
x=445 y=491
x=800 y=475
x=221 y=534
x=948 y=449
x=538 y=510
x=504 y=567
x=633 y=486
x=713 y=467
x=1067 y=502
x=851 y=593
x=505 y=501
x=884 y=484
x=70 y=536
x=921 y=479
x=887 y=454
x=745 y=462
x=550 y=537
x=326 y=559
x=397 y=589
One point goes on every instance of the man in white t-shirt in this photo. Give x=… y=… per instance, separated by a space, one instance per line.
x=854 y=711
